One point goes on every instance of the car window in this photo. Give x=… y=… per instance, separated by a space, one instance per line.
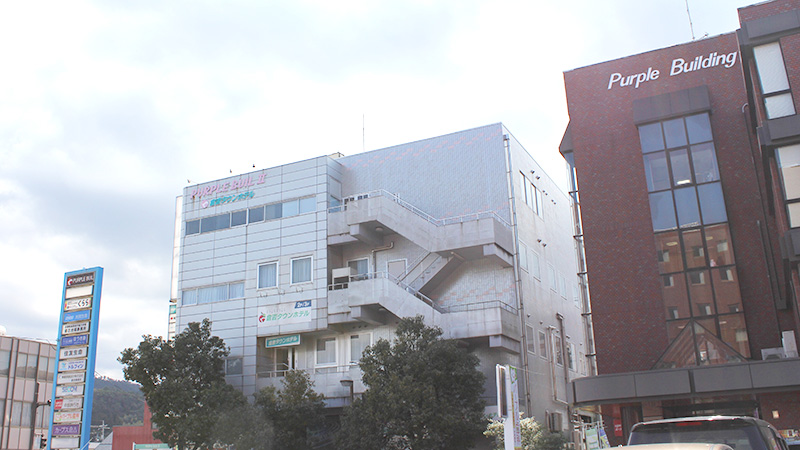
x=737 y=436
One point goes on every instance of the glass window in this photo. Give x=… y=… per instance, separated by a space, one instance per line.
x=358 y=343
x=256 y=214
x=668 y=251
x=16 y=414
x=233 y=366
x=236 y=290
x=539 y=208
x=5 y=362
x=274 y=211
x=562 y=285
x=291 y=208
x=794 y=214
x=22 y=364
x=551 y=275
x=679 y=161
x=267 y=275
x=674 y=133
x=571 y=355
x=212 y=294
x=695 y=251
x=208 y=224
x=523 y=256
x=326 y=351
x=542 y=344
x=530 y=338
x=223 y=221
x=686 y=203
x=699 y=128
x=734 y=332
x=712 y=204
x=238 y=218
x=192 y=227
x=301 y=270
x=558 y=352
x=675 y=296
x=307 y=205
x=780 y=105
x=360 y=266
x=530 y=195
x=726 y=288
x=651 y=137
x=788 y=159
x=770 y=67
x=656 y=171
x=536 y=269
x=700 y=293
x=662 y=211
x=720 y=252
x=705 y=163
x=189 y=297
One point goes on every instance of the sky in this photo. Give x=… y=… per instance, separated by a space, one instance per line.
x=109 y=109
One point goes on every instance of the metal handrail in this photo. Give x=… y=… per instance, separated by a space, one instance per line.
x=438 y=222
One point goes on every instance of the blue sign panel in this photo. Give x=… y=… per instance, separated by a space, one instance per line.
x=76 y=357
x=76 y=316
x=81 y=339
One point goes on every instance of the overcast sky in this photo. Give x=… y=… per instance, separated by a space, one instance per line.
x=108 y=109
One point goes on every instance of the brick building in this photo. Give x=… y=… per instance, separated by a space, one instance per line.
x=684 y=211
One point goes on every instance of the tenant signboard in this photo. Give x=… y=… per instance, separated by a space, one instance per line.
x=71 y=409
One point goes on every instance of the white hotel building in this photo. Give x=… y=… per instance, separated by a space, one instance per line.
x=302 y=266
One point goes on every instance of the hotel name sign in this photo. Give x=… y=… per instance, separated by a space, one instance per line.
x=677 y=67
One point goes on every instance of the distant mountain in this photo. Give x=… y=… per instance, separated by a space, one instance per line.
x=116 y=403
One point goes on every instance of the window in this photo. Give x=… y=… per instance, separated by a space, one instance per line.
x=774 y=82
x=301 y=270
x=536 y=269
x=326 y=351
x=358 y=343
x=539 y=209
x=268 y=275
x=192 y=227
x=360 y=267
x=274 y=211
x=551 y=274
x=5 y=361
x=523 y=256
x=189 y=297
x=307 y=205
x=236 y=290
x=212 y=294
x=558 y=352
x=542 y=344
x=530 y=338
x=668 y=281
x=788 y=159
x=697 y=278
x=571 y=355
x=256 y=214
x=233 y=366
x=238 y=218
x=562 y=285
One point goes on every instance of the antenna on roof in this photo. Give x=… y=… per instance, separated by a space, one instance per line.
x=691 y=27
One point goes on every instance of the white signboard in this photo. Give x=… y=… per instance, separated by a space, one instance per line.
x=286 y=313
x=72 y=328
x=69 y=390
x=66 y=366
x=79 y=291
x=77 y=352
x=78 y=303
x=68 y=403
x=67 y=416
x=65 y=442
x=71 y=377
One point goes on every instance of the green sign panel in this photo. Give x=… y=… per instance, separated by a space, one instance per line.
x=283 y=341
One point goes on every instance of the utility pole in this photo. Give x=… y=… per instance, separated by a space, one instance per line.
x=36 y=404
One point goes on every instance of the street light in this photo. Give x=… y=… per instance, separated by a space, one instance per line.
x=36 y=404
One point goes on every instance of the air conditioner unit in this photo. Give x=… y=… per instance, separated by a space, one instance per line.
x=772 y=353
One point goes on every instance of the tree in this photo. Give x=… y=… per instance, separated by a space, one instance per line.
x=534 y=436
x=183 y=382
x=423 y=392
x=294 y=411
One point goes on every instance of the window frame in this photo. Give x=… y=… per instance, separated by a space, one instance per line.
x=310 y=259
x=350 y=360
x=258 y=275
x=335 y=351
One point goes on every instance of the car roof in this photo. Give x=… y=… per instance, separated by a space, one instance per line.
x=677 y=446
x=705 y=418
